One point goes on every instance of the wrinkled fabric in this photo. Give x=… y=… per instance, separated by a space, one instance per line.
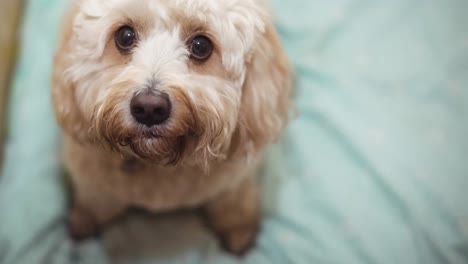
x=374 y=169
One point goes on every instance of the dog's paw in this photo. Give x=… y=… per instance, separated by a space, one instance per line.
x=239 y=240
x=81 y=224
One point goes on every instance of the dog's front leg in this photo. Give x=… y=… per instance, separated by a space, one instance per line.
x=91 y=210
x=96 y=198
x=234 y=216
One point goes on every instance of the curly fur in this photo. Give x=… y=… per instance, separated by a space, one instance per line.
x=226 y=110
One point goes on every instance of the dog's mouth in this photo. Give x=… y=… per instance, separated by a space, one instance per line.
x=140 y=134
x=149 y=145
x=150 y=134
x=165 y=143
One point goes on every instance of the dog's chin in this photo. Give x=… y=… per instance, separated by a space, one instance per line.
x=158 y=150
x=152 y=145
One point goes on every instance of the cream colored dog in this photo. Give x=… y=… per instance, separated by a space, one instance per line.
x=169 y=104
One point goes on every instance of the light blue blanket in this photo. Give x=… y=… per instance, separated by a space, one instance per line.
x=375 y=169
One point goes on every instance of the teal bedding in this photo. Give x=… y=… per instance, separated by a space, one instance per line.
x=374 y=170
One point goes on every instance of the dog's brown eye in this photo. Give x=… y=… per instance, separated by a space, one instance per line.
x=201 y=48
x=125 y=39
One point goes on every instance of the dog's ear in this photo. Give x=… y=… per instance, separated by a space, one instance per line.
x=67 y=112
x=266 y=96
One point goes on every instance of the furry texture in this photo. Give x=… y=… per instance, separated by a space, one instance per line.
x=225 y=110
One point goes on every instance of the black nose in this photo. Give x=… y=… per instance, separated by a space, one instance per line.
x=150 y=109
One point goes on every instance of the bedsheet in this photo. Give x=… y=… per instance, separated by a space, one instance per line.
x=374 y=170
x=9 y=11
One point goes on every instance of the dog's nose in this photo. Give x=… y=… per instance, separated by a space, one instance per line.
x=150 y=109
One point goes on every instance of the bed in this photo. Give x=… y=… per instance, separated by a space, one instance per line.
x=374 y=170
x=10 y=13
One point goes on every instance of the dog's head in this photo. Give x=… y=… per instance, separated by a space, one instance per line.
x=172 y=80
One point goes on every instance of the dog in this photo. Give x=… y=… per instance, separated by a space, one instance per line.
x=169 y=104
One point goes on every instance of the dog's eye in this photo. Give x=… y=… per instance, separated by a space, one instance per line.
x=125 y=39
x=201 y=48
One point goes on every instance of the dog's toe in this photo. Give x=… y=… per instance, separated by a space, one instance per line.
x=240 y=240
x=80 y=224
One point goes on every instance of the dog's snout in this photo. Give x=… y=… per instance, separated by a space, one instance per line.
x=150 y=109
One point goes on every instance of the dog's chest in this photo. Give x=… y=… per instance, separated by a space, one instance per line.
x=153 y=187
x=131 y=166
x=167 y=188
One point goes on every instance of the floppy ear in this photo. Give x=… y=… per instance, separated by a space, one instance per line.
x=63 y=89
x=266 y=96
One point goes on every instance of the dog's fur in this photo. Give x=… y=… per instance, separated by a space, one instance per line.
x=225 y=111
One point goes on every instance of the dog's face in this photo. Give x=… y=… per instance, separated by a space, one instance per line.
x=172 y=80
